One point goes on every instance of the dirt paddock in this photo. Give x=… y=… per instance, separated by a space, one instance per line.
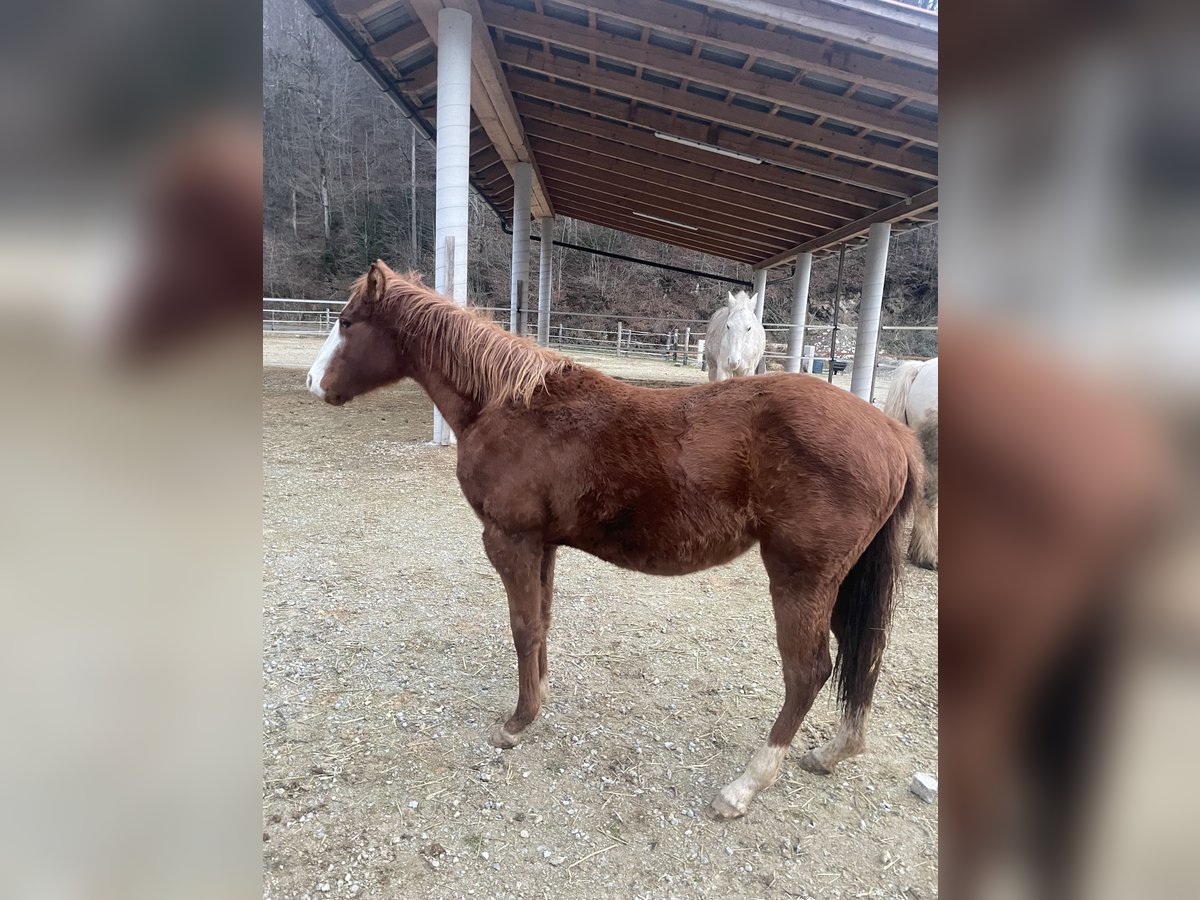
x=387 y=656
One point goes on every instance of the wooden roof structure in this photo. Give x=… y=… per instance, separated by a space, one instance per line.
x=748 y=129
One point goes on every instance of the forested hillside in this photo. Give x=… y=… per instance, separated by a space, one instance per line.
x=347 y=179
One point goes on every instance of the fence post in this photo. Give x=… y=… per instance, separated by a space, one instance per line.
x=618 y=337
x=687 y=340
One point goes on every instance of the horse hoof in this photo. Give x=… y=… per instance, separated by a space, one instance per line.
x=730 y=804
x=810 y=762
x=503 y=739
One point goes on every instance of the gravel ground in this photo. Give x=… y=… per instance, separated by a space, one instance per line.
x=387 y=656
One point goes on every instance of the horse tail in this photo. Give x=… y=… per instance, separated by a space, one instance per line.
x=863 y=611
x=897 y=398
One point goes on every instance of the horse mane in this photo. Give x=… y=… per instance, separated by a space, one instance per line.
x=475 y=354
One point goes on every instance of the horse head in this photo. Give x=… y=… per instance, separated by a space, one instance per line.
x=361 y=352
x=738 y=341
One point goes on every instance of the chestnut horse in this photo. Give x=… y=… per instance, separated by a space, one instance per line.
x=665 y=481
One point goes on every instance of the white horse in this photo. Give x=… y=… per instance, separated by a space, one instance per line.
x=913 y=400
x=914 y=392
x=735 y=340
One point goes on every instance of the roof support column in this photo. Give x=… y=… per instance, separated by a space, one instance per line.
x=799 y=311
x=869 y=310
x=760 y=301
x=545 y=280
x=453 y=153
x=518 y=309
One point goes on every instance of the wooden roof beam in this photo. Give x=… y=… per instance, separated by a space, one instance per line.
x=882 y=74
x=716 y=111
x=770 y=186
x=735 y=207
x=907 y=33
x=837 y=198
x=656 y=120
x=656 y=232
x=565 y=181
x=684 y=65
x=902 y=210
x=402 y=43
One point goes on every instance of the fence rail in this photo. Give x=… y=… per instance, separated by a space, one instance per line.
x=678 y=339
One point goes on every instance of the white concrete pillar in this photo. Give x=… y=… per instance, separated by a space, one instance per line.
x=799 y=311
x=760 y=302
x=869 y=310
x=545 y=279
x=760 y=291
x=518 y=306
x=453 y=153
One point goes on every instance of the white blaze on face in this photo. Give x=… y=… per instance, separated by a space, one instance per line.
x=317 y=372
x=740 y=339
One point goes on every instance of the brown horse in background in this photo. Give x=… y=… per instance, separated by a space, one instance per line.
x=664 y=481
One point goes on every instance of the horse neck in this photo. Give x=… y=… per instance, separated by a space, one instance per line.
x=441 y=358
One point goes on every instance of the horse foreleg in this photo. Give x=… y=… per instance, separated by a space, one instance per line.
x=520 y=563
x=802 y=632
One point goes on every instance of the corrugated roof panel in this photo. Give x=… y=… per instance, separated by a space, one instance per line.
x=608 y=65
x=840 y=127
x=670 y=42
x=875 y=97
x=750 y=103
x=568 y=53
x=659 y=78
x=705 y=91
x=773 y=69
x=566 y=13
x=724 y=56
x=796 y=115
x=388 y=22
x=619 y=27
x=520 y=40
x=825 y=83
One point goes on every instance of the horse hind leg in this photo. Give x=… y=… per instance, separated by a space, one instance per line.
x=547 y=595
x=802 y=633
x=851 y=737
x=923 y=545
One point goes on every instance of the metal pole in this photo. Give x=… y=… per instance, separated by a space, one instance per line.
x=799 y=311
x=869 y=310
x=453 y=154
x=412 y=198
x=523 y=179
x=545 y=279
x=837 y=303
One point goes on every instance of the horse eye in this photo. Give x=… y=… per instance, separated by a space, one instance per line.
x=345 y=323
x=748 y=327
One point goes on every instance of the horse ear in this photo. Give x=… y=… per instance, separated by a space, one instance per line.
x=732 y=299
x=377 y=277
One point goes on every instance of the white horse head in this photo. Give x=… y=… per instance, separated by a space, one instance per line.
x=735 y=339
